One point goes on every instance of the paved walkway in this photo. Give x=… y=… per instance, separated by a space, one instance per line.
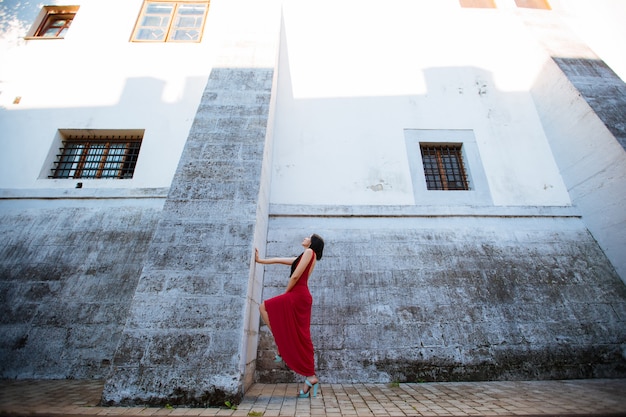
x=596 y=397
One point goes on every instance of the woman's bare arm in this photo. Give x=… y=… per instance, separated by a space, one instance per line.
x=284 y=261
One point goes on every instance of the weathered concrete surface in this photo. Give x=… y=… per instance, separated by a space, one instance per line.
x=184 y=338
x=454 y=299
x=602 y=89
x=67 y=276
x=191 y=334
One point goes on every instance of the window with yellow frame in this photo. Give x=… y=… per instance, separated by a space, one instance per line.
x=171 y=21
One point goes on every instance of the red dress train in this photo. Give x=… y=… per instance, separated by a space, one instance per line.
x=290 y=319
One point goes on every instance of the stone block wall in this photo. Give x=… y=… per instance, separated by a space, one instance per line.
x=602 y=89
x=184 y=341
x=67 y=277
x=452 y=298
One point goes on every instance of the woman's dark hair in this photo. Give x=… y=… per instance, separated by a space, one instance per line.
x=317 y=244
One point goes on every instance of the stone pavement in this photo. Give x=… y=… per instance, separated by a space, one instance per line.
x=596 y=397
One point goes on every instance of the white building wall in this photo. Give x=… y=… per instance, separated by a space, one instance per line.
x=347 y=94
x=590 y=158
x=581 y=104
x=343 y=76
x=96 y=78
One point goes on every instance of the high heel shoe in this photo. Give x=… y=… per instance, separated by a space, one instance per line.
x=307 y=394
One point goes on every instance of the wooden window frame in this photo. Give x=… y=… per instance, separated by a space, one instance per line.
x=533 y=4
x=97 y=156
x=479 y=193
x=444 y=168
x=172 y=26
x=46 y=19
x=478 y=4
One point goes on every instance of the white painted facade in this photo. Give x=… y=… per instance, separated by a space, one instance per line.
x=348 y=94
x=358 y=84
x=334 y=79
x=96 y=78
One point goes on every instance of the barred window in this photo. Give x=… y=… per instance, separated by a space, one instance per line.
x=171 y=21
x=97 y=157
x=443 y=167
x=53 y=22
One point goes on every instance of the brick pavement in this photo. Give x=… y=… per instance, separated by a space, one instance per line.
x=596 y=397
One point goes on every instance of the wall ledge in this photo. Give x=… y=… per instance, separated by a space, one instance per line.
x=83 y=193
x=292 y=210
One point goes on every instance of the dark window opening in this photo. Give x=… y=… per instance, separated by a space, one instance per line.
x=443 y=167
x=55 y=26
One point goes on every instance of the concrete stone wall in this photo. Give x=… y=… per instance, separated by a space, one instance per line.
x=602 y=89
x=67 y=276
x=191 y=333
x=184 y=339
x=453 y=298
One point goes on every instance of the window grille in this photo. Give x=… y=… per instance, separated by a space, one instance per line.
x=443 y=167
x=97 y=157
x=171 y=21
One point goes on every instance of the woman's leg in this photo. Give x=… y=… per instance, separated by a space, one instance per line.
x=265 y=316
x=266 y=320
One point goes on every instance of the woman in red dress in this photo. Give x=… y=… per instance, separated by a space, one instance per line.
x=288 y=316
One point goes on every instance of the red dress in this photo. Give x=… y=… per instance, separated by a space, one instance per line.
x=290 y=319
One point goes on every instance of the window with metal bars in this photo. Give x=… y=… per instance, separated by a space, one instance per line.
x=443 y=167
x=171 y=21
x=97 y=157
